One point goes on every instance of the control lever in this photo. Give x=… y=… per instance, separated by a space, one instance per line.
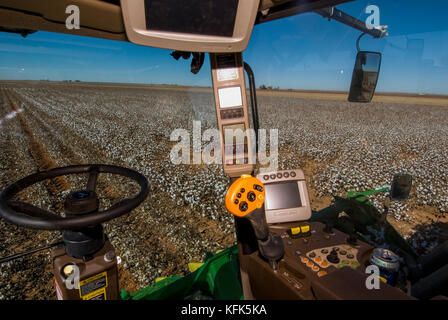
x=270 y=245
x=328 y=227
x=333 y=256
x=351 y=239
x=245 y=199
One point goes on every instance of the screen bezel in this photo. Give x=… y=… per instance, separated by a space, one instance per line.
x=302 y=213
x=135 y=23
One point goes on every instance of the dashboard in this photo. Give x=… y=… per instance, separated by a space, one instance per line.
x=319 y=261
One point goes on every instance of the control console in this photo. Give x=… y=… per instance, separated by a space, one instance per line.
x=321 y=252
x=316 y=265
x=297 y=259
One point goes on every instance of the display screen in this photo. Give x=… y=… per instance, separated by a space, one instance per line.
x=282 y=196
x=204 y=17
x=230 y=97
x=235 y=143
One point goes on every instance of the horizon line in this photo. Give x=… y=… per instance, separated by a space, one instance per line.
x=68 y=81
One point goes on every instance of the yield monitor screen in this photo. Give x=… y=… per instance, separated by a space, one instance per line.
x=203 y=17
x=282 y=196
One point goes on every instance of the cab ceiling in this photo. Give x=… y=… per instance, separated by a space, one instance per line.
x=103 y=18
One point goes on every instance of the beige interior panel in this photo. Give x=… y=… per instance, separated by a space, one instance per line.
x=18 y=19
x=94 y=14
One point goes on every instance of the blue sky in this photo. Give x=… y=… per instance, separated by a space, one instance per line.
x=300 y=52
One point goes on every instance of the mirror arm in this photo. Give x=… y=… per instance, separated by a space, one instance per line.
x=357 y=41
x=338 y=15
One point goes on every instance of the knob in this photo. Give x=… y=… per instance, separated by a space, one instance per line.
x=251 y=196
x=333 y=256
x=243 y=206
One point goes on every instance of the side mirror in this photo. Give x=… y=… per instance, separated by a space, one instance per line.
x=401 y=187
x=365 y=76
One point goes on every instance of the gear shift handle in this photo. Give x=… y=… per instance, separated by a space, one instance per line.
x=245 y=199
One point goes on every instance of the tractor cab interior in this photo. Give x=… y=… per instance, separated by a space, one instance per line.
x=285 y=250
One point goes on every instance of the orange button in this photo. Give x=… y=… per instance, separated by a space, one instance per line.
x=304 y=259
x=324 y=264
x=318 y=259
x=315 y=268
x=310 y=264
x=321 y=273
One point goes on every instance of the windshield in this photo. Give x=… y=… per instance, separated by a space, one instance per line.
x=67 y=99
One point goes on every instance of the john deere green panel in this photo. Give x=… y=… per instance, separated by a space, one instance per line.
x=219 y=277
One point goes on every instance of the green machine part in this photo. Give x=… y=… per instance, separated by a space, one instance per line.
x=363 y=220
x=218 y=278
x=361 y=196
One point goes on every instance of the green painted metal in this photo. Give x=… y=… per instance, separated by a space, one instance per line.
x=361 y=196
x=363 y=220
x=218 y=278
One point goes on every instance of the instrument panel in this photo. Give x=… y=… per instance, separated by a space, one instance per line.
x=322 y=252
x=286 y=196
x=317 y=265
x=229 y=88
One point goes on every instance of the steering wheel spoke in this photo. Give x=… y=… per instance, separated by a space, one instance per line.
x=32 y=211
x=123 y=202
x=93 y=179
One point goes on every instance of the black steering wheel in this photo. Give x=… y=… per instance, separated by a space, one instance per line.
x=27 y=215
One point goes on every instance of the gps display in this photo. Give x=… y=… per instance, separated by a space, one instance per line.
x=282 y=196
x=202 y=17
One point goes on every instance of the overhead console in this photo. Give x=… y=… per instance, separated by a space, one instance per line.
x=199 y=26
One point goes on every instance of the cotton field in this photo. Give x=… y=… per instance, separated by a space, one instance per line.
x=341 y=146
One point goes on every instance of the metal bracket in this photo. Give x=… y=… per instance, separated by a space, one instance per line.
x=338 y=15
x=357 y=41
